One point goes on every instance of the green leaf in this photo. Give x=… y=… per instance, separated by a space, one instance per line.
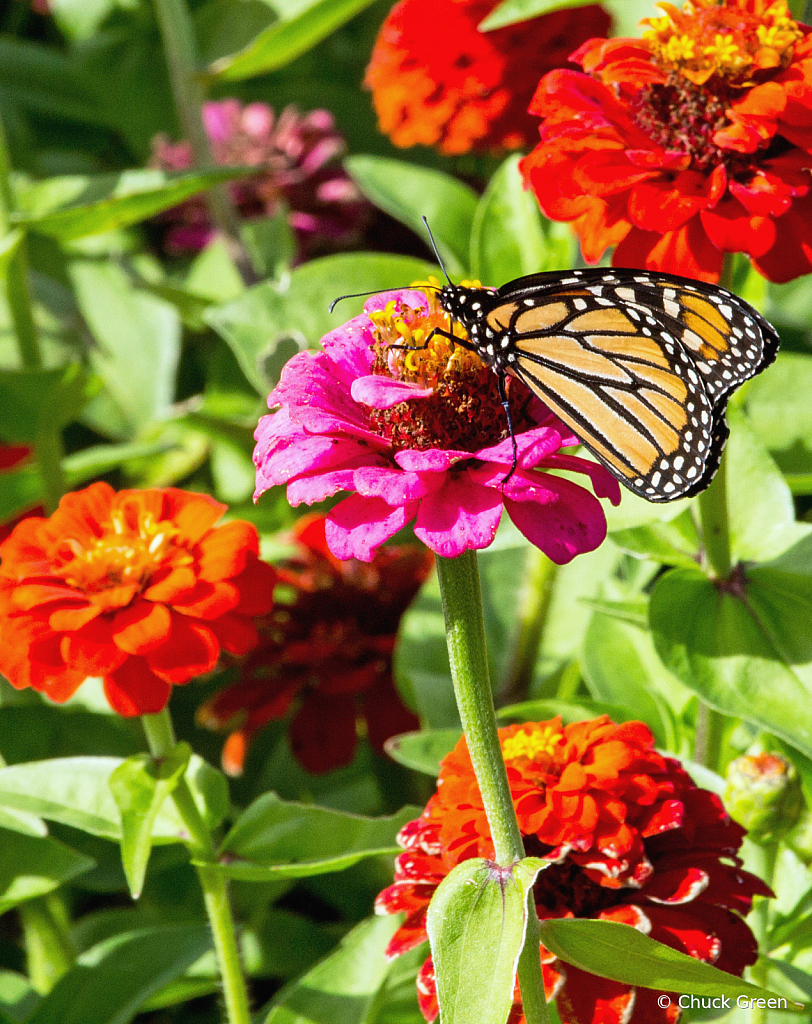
x=673 y=543
x=343 y=988
x=577 y=710
x=274 y=839
x=733 y=645
x=21 y=821
x=32 y=866
x=625 y=13
x=622 y=953
x=17 y=997
x=33 y=401
x=44 y=80
x=138 y=339
x=110 y=982
x=140 y=786
x=76 y=791
x=73 y=206
x=79 y=19
x=273 y=320
x=621 y=666
x=423 y=751
x=476 y=924
x=286 y=40
x=781 y=418
x=408 y=193
x=9 y=246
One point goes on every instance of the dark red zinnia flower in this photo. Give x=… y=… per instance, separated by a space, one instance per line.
x=686 y=144
x=327 y=651
x=137 y=587
x=630 y=837
x=436 y=80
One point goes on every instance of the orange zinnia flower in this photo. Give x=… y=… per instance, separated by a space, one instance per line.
x=438 y=81
x=686 y=144
x=138 y=588
x=630 y=838
x=327 y=651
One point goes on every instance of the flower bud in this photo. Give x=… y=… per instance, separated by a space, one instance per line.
x=764 y=795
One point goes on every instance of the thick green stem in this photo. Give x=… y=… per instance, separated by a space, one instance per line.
x=161 y=739
x=180 y=48
x=710 y=729
x=760 y=922
x=535 y=600
x=715 y=523
x=465 y=635
x=48 y=950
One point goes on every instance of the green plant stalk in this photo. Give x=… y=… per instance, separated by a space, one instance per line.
x=180 y=48
x=161 y=739
x=710 y=729
x=49 y=444
x=537 y=592
x=48 y=950
x=760 y=920
x=465 y=635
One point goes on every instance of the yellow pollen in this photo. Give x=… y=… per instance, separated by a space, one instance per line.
x=132 y=546
x=729 y=38
x=532 y=745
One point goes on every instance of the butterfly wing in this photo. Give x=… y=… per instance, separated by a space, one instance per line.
x=638 y=365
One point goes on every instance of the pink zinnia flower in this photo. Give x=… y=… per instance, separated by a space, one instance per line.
x=300 y=155
x=420 y=435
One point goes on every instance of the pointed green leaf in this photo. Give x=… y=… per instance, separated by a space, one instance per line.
x=9 y=246
x=266 y=325
x=111 y=981
x=476 y=923
x=408 y=193
x=32 y=866
x=732 y=645
x=626 y=14
x=76 y=791
x=275 y=839
x=343 y=988
x=285 y=40
x=139 y=786
x=423 y=751
x=17 y=997
x=622 y=953
x=73 y=206
x=21 y=821
x=32 y=401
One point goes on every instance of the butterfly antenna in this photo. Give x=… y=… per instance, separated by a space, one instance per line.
x=436 y=251
x=375 y=291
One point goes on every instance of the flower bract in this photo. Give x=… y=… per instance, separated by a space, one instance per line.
x=629 y=838
x=687 y=144
x=139 y=588
x=416 y=431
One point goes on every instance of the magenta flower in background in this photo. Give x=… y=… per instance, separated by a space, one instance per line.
x=301 y=155
x=420 y=435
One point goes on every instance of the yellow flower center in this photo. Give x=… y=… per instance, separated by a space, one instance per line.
x=404 y=336
x=539 y=743
x=133 y=545
x=730 y=38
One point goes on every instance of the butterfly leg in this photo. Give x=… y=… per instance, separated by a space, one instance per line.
x=506 y=406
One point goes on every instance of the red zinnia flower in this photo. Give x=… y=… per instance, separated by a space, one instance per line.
x=630 y=837
x=437 y=81
x=136 y=587
x=684 y=145
x=329 y=648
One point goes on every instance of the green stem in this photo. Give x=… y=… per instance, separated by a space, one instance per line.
x=710 y=728
x=48 y=950
x=161 y=739
x=180 y=48
x=537 y=592
x=465 y=635
x=713 y=516
x=760 y=922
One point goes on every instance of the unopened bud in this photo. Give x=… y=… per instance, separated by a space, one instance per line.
x=764 y=795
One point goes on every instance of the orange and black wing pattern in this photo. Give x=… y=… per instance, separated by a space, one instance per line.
x=638 y=364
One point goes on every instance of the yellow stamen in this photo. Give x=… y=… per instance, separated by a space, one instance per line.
x=534 y=745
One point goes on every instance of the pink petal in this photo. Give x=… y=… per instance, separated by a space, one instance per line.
x=460 y=516
x=565 y=521
x=350 y=346
x=603 y=483
x=305 y=455
x=531 y=447
x=431 y=460
x=383 y=392
x=395 y=486
x=309 y=489
x=401 y=297
x=358 y=526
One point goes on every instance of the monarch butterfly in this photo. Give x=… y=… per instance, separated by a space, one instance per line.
x=638 y=364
